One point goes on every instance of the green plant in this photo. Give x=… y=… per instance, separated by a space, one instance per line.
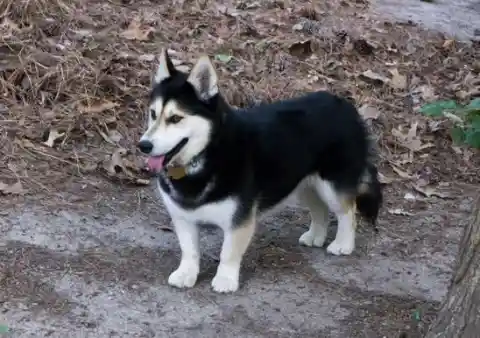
x=466 y=119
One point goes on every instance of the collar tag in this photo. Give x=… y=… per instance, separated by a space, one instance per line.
x=176 y=172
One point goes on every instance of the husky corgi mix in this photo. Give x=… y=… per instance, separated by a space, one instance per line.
x=225 y=166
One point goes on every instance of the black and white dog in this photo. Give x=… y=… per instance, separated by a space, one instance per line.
x=225 y=166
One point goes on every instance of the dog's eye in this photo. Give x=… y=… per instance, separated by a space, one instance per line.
x=153 y=114
x=174 y=119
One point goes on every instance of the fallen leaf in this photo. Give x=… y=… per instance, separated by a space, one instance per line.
x=223 y=58
x=410 y=140
x=427 y=92
x=448 y=44
x=298 y=26
x=401 y=173
x=97 y=107
x=399 y=212
x=136 y=32
x=147 y=57
x=409 y=196
x=116 y=162
x=53 y=135
x=398 y=81
x=13 y=189
x=115 y=135
x=369 y=112
x=375 y=78
x=117 y=166
x=430 y=191
x=363 y=47
x=384 y=179
x=301 y=49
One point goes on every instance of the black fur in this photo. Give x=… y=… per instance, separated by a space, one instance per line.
x=262 y=153
x=368 y=202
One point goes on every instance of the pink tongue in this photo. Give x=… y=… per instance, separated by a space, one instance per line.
x=155 y=163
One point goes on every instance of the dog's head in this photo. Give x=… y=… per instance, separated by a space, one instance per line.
x=181 y=113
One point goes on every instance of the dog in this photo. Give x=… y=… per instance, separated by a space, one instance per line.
x=224 y=166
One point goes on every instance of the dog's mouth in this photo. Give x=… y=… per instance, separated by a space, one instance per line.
x=157 y=163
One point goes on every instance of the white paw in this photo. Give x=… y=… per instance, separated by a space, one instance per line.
x=184 y=277
x=225 y=283
x=308 y=239
x=341 y=247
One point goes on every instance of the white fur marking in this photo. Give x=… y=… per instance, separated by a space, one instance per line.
x=344 y=242
x=235 y=243
x=166 y=136
x=187 y=272
x=317 y=232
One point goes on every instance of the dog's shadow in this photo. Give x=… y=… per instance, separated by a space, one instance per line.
x=274 y=249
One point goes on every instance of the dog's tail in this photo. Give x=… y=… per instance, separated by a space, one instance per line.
x=369 y=197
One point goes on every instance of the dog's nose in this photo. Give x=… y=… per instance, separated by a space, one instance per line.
x=145 y=146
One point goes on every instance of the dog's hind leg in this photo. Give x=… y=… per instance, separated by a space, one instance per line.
x=235 y=243
x=317 y=232
x=344 y=208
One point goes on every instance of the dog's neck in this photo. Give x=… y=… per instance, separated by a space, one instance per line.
x=194 y=166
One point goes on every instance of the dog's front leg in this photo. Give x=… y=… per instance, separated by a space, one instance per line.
x=235 y=243
x=187 y=272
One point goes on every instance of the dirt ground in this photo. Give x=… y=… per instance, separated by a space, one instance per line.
x=86 y=247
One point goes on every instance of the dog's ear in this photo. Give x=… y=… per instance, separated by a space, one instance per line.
x=203 y=78
x=165 y=67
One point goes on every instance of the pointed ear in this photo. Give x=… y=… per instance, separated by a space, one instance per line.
x=204 y=78
x=165 y=67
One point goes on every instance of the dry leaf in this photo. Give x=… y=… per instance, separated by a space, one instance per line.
x=400 y=172
x=147 y=57
x=410 y=140
x=448 y=44
x=369 y=112
x=117 y=166
x=53 y=135
x=384 y=179
x=373 y=77
x=428 y=93
x=13 y=189
x=363 y=46
x=399 y=212
x=430 y=191
x=398 y=81
x=114 y=135
x=136 y=32
x=409 y=196
x=301 y=48
x=98 y=107
x=116 y=162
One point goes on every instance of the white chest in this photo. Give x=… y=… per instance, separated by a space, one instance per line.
x=220 y=213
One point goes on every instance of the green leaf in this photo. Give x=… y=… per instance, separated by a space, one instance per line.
x=472 y=138
x=474 y=104
x=416 y=315
x=458 y=135
x=4 y=329
x=476 y=123
x=437 y=108
x=223 y=58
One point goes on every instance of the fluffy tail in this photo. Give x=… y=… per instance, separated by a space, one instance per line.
x=370 y=198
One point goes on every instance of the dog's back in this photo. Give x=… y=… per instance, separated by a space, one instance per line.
x=316 y=133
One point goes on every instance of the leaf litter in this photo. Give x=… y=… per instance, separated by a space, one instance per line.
x=86 y=83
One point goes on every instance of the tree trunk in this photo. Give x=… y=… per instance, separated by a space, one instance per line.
x=459 y=316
